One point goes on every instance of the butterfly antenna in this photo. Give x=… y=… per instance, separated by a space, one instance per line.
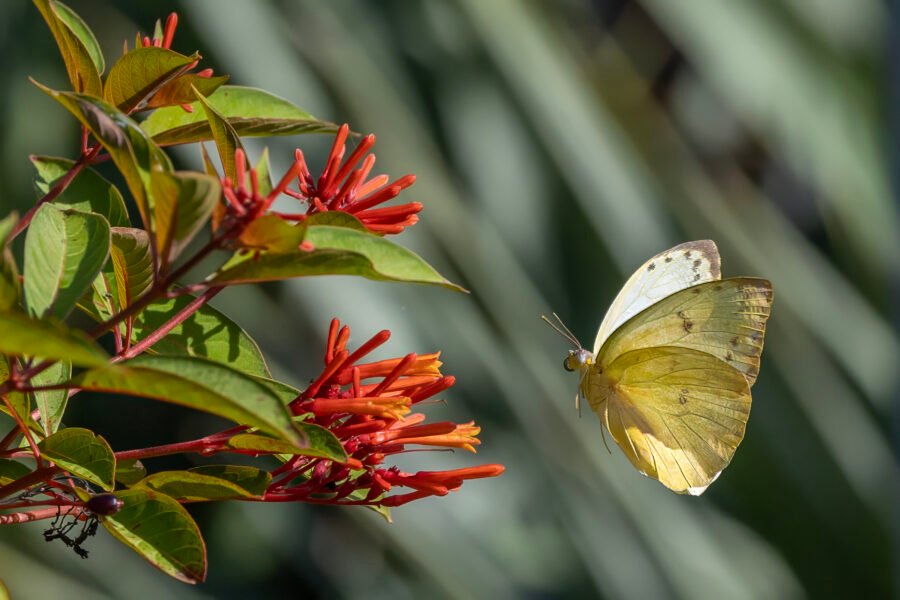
x=563 y=331
x=603 y=437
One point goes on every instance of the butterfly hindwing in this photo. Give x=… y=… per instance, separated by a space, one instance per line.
x=725 y=318
x=678 y=414
x=666 y=273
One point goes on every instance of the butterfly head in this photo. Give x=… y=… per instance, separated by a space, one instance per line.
x=578 y=360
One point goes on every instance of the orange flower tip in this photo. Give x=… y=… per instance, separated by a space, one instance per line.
x=147 y=42
x=205 y=73
x=354 y=463
x=307 y=246
x=405 y=181
x=187 y=108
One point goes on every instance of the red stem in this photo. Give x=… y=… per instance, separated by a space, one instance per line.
x=29 y=480
x=34 y=515
x=56 y=190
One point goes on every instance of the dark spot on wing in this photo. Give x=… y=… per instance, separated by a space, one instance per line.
x=681 y=314
x=651 y=266
x=696 y=276
x=688 y=325
x=697 y=264
x=696 y=290
x=729 y=355
x=682 y=399
x=717 y=287
x=687 y=254
x=735 y=341
x=668 y=259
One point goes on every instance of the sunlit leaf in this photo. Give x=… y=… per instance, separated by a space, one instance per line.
x=83 y=71
x=224 y=135
x=64 y=252
x=250 y=111
x=87 y=192
x=21 y=335
x=271 y=233
x=129 y=472
x=338 y=251
x=10 y=470
x=82 y=453
x=178 y=91
x=322 y=444
x=210 y=483
x=139 y=73
x=183 y=202
x=129 y=147
x=160 y=530
x=130 y=264
x=199 y=384
x=264 y=173
x=84 y=34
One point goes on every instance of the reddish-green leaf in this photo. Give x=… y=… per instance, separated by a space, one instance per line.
x=82 y=453
x=64 y=252
x=83 y=33
x=140 y=73
x=271 y=233
x=250 y=111
x=226 y=138
x=84 y=74
x=199 y=384
x=87 y=192
x=182 y=204
x=160 y=530
x=178 y=91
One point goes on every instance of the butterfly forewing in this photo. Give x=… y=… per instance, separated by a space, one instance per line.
x=725 y=318
x=666 y=273
x=678 y=414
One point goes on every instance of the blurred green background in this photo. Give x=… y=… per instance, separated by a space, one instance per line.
x=557 y=146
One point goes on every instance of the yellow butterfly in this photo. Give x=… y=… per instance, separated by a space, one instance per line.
x=673 y=363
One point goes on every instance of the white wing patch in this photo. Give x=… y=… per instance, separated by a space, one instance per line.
x=668 y=272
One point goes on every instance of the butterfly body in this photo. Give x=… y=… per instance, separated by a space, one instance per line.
x=673 y=363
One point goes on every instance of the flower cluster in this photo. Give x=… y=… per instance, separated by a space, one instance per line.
x=344 y=187
x=368 y=408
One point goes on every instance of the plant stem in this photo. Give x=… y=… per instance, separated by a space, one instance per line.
x=29 y=480
x=56 y=190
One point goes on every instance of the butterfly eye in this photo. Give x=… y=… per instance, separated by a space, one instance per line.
x=566 y=365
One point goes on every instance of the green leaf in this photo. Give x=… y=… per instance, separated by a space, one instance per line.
x=10 y=287
x=87 y=192
x=210 y=483
x=141 y=72
x=82 y=453
x=199 y=384
x=183 y=203
x=129 y=273
x=322 y=444
x=77 y=26
x=250 y=111
x=83 y=71
x=161 y=530
x=21 y=335
x=52 y=403
x=129 y=147
x=271 y=233
x=4 y=592
x=64 y=252
x=178 y=91
x=129 y=472
x=285 y=392
x=226 y=138
x=338 y=251
x=11 y=470
x=207 y=333
x=264 y=173
x=254 y=481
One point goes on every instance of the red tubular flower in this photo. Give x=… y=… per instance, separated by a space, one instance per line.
x=343 y=186
x=372 y=421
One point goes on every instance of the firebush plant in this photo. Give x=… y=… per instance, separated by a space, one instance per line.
x=133 y=273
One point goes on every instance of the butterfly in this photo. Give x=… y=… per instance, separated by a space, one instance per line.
x=673 y=363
